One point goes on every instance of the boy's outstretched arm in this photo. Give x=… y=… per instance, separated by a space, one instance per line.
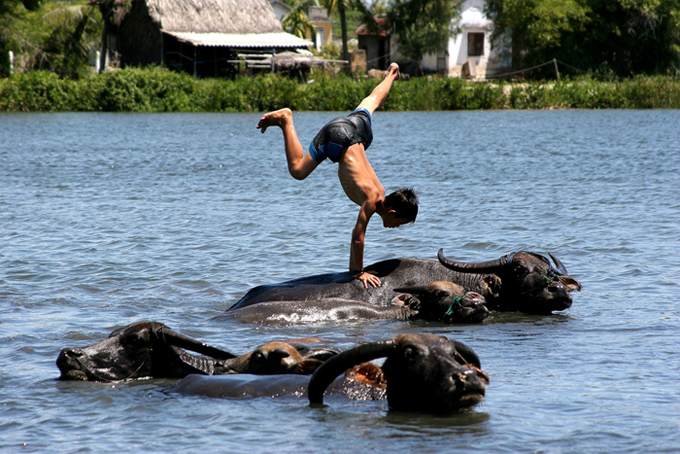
x=356 y=254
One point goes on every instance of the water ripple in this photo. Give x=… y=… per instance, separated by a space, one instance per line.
x=110 y=219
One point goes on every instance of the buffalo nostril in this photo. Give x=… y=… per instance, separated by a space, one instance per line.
x=462 y=376
x=73 y=353
x=555 y=288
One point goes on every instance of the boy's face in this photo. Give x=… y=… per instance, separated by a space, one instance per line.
x=391 y=220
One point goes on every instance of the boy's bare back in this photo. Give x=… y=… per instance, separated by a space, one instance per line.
x=357 y=177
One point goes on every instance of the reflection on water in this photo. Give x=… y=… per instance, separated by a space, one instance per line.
x=110 y=219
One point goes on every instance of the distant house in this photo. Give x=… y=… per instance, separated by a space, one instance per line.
x=323 y=26
x=377 y=43
x=318 y=16
x=468 y=53
x=201 y=37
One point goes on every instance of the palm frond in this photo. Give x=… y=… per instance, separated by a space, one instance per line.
x=70 y=14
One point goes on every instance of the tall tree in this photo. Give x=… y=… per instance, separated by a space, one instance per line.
x=296 y=21
x=622 y=36
x=74 y=36
x=422 y=26
x=113 y=12
x=633 y=36
x=6 y=10
x=537 y=27
x=341 y=6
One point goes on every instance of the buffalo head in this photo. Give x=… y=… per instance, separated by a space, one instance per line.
x=522 y=281
x=423 y=372
x=152 y=350
x=144 y=349
x=278 y=358
x=445 y=301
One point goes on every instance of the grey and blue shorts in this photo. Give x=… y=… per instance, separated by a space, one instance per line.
x=341 y=133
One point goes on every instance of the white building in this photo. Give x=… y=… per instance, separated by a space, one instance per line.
x=472 y=45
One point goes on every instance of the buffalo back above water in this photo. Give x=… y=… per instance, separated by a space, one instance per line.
x=392 y=273
x=521 y=281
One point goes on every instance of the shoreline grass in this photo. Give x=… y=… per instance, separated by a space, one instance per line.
x=160 y=90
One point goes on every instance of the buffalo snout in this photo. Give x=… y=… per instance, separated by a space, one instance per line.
x=68 y=364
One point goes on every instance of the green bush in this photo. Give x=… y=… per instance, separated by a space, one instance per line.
x=656 y=92
x=143 y=90
x=157 y=89
x=37 y=91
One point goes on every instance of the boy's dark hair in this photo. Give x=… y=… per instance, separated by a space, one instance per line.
x=404 y=202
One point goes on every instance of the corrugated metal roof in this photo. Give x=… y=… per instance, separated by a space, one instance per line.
x=265 y=40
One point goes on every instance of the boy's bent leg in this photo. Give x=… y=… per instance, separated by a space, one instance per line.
x=299 y=164
x=380 y=92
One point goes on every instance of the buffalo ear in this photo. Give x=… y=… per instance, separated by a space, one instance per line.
x=489 y=286
x=279 y=353
x=571 y=283
x=308 y=365
x=321 y=354
x=408 y=301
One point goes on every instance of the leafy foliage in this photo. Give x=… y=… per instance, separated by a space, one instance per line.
x=75 y=36
x=623 y=37
x=422 y=26
x=55 y=36
x=296 y=21
x=160 y=90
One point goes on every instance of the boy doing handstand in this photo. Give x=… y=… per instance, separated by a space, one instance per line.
x=344 y=140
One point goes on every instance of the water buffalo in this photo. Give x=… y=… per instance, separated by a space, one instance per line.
x=439 y=301
x=444 y=301
x=152 y=350
x=522 y=281
x=422 y=372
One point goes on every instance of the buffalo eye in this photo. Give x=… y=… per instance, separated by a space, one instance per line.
x=134 y=341
x=520 y=270
x=410 y=353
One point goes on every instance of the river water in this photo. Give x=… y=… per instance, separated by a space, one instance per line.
x=109 y=219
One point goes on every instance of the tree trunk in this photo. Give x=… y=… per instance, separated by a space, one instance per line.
x=76 y=37
x=343 y=25
x=105 y=48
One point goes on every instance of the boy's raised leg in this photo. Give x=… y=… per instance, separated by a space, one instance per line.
x=299 y=164
x=380 y=92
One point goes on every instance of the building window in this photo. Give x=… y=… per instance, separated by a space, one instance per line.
x=475 y=44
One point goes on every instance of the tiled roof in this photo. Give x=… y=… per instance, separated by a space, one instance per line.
x=383 y=28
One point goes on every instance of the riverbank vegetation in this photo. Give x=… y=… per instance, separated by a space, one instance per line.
x=161 y=90
x=623 y=37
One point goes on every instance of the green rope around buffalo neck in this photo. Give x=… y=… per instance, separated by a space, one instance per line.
x=454 y=304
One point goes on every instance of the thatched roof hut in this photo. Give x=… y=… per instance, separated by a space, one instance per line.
x=200 y=36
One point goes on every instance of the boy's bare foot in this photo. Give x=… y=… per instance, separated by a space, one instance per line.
x=274 y=118
x=393 y=70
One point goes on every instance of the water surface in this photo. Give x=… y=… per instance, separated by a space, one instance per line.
x=109 y=219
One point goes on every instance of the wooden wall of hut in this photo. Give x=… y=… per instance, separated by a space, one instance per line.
x=201 y=61
x=139 y=39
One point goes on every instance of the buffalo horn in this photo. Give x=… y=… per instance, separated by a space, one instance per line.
x=481 y=267
x=560 y=267
x=338 y=364
x=414 y=290
x=469 y=356
x=187 y=343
